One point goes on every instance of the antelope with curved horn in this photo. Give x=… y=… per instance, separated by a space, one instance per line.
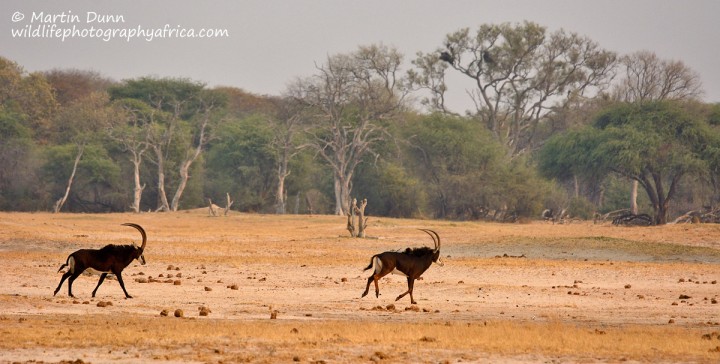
x=411 y=263
x=109 y=259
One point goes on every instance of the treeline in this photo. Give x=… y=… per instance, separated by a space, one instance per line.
x=559 y=123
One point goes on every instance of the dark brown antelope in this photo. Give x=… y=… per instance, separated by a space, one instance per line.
x=411 y=263
x=109 y=259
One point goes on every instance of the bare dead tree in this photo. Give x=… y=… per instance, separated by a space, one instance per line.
x=352 y=96
x=357 y=222
x=228 y=203
x=649 y=78
x=286 y=128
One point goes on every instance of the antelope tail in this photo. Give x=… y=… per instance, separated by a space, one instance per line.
x=69 y=262
x=375 y=262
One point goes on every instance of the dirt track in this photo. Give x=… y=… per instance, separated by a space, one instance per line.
x=507 y=293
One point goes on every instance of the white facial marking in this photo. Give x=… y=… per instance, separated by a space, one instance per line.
x=439 y=262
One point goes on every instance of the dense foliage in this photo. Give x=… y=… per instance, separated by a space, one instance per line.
x=71 y=140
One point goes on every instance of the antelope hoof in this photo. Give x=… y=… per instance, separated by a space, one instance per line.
x=398 y=298
x=364 y=294
x=377 y=294
x=128 y=296
x=413 y=302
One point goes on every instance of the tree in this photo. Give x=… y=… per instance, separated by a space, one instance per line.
x=520 y=74
x=179 y=127
x=647 y=79
x=26 y=106
x=286 y=127
x=72 y=85
x=466 y=173
x=131 y=134
x=353 y=96
x=242 y=161
x=655 y=144
x=80 y=123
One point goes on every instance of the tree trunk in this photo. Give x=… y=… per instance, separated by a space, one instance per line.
x=342 y=196
x=187 y=163
x=184 y=176
x=362 y=220
x=59 y=203
x=280 y=197
x=577 y=186
x=351 y=218
x=211 y=208
x=357 y=230
x=138 y=189
x=228 y=203
x=633 y=198
x=164 y=205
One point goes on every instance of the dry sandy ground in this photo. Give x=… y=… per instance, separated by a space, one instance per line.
x=508 y=293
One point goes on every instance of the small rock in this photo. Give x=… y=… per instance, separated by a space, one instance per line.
x=273 y=315
x=390 y=307
x=234 y=287
x=204 y=311
x=294 y=331
x=177 y=282
x=627 y=286
x=684 y=297
x=343 y=279
x=671 y=321
x=170 y=267
x=179 y=313
x=208 y=289
x=164 y=313
x=412 y=308
x=428 y=339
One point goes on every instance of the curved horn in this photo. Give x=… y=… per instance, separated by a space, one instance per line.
x=437 y=242
x=142 y=232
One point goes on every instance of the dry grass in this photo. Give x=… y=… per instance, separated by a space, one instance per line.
x=503 y=338
x=580 y=292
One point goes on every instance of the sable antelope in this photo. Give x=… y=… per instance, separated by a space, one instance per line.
x=411 y=263
x=109 y=259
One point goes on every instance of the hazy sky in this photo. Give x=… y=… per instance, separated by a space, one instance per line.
x=270 y=43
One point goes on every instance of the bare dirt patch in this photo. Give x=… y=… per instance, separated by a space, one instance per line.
x=507 y=293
